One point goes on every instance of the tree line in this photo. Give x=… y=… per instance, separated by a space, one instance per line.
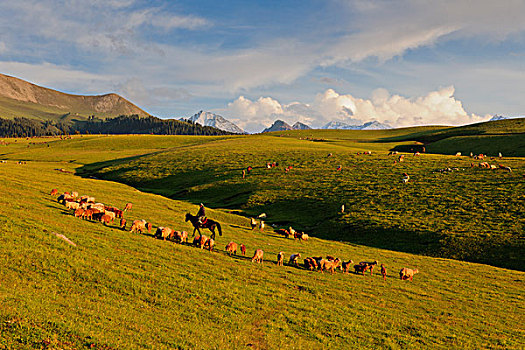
x=133 y=124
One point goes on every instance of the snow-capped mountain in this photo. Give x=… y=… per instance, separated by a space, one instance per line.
x=373 y=125
x=278 y=125
x=300 y=126
x=497 y=117
x=216 y=121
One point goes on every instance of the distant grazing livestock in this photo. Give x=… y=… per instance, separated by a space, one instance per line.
x=231 y=248
x=417 y=154
x=294 y=259
x=209 y=244
x=54 y=192
x=310 y=264
x=163 y=232
x=140 y=226
x=258 y=256
x=62 y=198
x=243 y=249
x=304 y=237
x=508 y=168
x=280 y=259
x=122 y=224
x=407 y=274
x=329 y=265
x=392 y=152
x=401 y=158
x=484 y=165
x=345 y=265
x=361 y=269
x=79 y=213
x=72 y=205
x=118 y=213
x=261 y=226
x=96 y=215
x=74 y=194
x=128 y=206
x=330 y=154
x=200 y=241
x=405 y=178
x=253 y=223
x=297 y=235
x=383 y=271
x=370 y=265
x=88 y=214
x=106 y=219
x=283 y=232
x=180 y=236
x=499 y=155
x=110 y=213
x=458 y=154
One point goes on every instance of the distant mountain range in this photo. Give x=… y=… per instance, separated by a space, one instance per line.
x=216 y=121
x=19 y=98
x=373 y=125
x=280 y=125
x=500 y=117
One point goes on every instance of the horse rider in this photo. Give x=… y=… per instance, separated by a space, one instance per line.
x=201 y=214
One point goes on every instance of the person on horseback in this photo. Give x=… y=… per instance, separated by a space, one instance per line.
x=202 y=214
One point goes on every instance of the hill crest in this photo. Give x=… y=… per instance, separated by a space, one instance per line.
x=20 y=95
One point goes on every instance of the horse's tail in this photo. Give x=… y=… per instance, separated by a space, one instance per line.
x=220 y=229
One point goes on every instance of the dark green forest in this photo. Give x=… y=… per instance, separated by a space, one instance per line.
x=24 y=127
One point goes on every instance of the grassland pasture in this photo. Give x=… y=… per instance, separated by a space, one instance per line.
x=467 y=213
x=117 y=290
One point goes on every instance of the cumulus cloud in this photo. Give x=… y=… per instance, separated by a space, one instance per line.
x=438 y=107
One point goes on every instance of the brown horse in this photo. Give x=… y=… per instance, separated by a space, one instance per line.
x=209 y=224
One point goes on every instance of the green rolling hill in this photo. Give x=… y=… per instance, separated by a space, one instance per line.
x=117 y=290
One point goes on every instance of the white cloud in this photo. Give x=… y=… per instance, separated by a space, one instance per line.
x=436 y=108
x=385 y=29
x=51 y=75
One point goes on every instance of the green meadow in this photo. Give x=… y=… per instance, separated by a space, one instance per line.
x=118 y=290
x=468 y=213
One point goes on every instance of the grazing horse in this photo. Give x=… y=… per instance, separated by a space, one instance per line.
x=209 y=224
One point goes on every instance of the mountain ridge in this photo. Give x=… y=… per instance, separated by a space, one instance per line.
x=216 y=121
x=20 y=98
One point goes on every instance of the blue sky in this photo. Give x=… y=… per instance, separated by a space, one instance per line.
x=398 y=62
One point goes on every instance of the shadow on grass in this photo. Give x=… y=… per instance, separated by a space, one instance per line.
x=321 y=219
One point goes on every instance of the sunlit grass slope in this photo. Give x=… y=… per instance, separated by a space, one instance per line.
x=500 y=136
x=468 y=213
x=117 y=290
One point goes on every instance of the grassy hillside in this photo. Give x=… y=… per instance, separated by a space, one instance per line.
x=19 y=98
x=120 y=290
x=469 y=213
x=501 y=136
